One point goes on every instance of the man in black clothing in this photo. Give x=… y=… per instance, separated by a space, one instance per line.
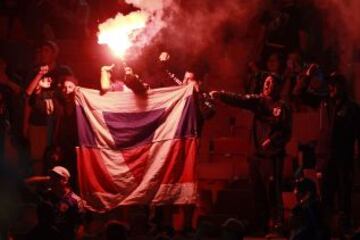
x=66 y=138
x=65 y=208
x=339 y=131
x=270 y=132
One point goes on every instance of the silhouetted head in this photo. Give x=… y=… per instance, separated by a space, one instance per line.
x=47 y=53
x=337 y=85
x=233 y=229
x=274 y=63
x=116 y=230
x=68 y=84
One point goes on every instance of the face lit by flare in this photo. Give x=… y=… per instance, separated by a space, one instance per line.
x=68 y=87
x=45 y=82
x=189 y=77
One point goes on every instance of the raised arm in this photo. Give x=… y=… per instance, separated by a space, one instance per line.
x=105 y=77
x=133 y=82
x=36 y=180
x=302 y=85
x=35 y=81
x=247 y=101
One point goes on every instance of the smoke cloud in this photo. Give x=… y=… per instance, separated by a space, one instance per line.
x=220 y=37
x=153 y=6
x=135 y=30
x=215 y=37
x=341 y=28
x=157 y=21
x=219 y=34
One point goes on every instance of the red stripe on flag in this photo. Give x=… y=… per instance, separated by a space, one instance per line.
x=136 y=159
x=180 y=162
x=93 y=174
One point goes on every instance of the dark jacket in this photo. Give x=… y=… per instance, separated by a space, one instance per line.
x=339 y=129
x=272 y=119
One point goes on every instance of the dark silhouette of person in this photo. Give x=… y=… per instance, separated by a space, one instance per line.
x=271 y=130
x=335 y=150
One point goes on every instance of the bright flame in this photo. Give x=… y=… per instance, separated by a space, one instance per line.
x=121 y=32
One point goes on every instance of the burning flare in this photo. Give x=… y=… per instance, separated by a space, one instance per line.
x=121 y=32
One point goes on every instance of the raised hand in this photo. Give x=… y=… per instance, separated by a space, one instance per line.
x=43 y=70
x=214 y=94
x=105 y=76
x=107 y=68
x=164 y=57
x=312 y=68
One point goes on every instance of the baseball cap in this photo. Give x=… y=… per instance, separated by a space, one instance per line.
x=61 y=171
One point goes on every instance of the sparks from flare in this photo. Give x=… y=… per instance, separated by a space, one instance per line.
x=121 y=32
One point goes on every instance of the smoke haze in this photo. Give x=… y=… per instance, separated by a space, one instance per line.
x=222 y=36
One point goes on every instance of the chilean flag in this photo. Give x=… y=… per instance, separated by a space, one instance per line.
x=137 y=149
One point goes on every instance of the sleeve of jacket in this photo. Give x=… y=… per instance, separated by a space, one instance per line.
x=247 y=101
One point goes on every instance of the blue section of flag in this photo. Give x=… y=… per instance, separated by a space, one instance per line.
x=188 y=126
x=85 y=132
x=132 y=129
